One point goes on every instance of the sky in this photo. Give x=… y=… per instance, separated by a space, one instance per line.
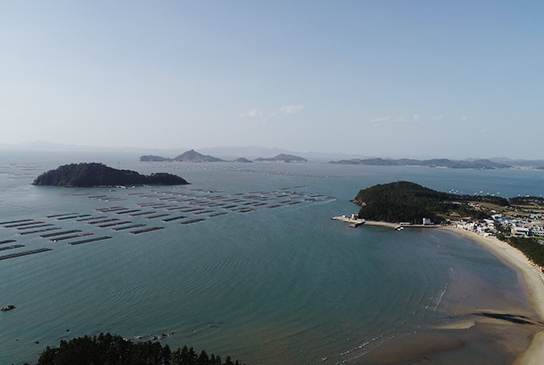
x=445 y=79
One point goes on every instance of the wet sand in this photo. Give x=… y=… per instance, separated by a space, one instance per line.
x=533 y=279
x=490 y=327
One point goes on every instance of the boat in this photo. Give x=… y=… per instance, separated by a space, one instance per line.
x=8 y=308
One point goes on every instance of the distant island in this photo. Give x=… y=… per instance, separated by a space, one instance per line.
x=283 y=158
x=97 y=174
x=189 y=156
x=193 y=156
x=452 y=164
x=405 y=201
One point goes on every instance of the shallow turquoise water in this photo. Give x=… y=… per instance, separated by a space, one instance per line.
x=270 y=286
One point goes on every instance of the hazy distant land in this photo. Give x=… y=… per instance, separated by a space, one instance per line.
x=452 y=164
x=193 y=156
x=480 y=164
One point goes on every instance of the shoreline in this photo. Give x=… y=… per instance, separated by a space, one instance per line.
x=531 y=276
x=533 y=279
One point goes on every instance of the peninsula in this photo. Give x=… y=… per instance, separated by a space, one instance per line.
x=512 y=229
x=405 y=201
x=97 y=174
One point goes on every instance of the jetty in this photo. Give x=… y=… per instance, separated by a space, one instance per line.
x=353 y=221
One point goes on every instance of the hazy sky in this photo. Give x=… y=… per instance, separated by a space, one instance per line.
x=451 y=79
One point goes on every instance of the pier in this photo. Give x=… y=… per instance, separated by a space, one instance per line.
x=353 y=221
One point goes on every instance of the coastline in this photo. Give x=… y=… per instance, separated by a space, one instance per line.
x=532 y=279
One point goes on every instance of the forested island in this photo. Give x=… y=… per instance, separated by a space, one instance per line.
x=97 y=174
x=405 y=201
x=107 y=349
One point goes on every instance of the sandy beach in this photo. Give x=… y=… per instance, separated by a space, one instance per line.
x=534 y=280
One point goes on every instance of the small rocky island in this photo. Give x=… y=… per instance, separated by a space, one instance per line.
x=97 y=174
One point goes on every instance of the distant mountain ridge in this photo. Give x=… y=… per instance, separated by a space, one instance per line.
x=193 y=156
x=452 y=164
x=282 y=157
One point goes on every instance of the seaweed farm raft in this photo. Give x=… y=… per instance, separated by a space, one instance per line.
x=176 y=207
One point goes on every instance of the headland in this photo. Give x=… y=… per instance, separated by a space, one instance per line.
x=484 y=218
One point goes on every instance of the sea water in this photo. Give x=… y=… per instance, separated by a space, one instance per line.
x=283 y=285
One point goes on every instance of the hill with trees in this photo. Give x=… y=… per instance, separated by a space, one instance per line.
x=107 y=349
x=97 y=174
x=405 y=201
x=193 y=156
